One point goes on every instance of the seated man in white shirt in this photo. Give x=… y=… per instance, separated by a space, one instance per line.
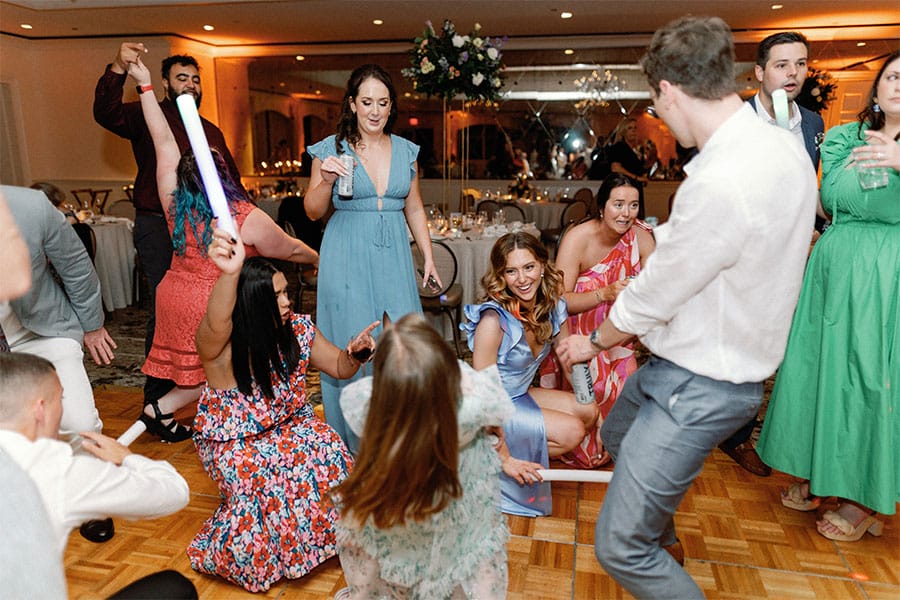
x=108 y=481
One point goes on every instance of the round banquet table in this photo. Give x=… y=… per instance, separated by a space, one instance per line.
x=114 y=260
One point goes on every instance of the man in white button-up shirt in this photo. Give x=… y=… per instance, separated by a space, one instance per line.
x=713 y=305
x=108 y=480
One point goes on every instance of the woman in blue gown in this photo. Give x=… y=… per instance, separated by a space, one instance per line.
x=365 y=266
x=521 y=313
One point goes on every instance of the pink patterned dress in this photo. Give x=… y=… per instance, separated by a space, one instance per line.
x=275 y=463
x=610 y=368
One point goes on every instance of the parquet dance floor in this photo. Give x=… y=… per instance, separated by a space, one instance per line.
x=739 y=540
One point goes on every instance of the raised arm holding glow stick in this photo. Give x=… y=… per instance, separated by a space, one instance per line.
x=187 y=106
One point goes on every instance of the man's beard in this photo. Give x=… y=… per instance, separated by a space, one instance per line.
x=172 y=96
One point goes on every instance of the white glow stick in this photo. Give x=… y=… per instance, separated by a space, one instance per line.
x=575 y=475
x=187 y=106
x=780 y=104
x=132 y=433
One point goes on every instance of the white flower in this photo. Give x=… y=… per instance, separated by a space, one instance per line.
x=458 y=41
x=477 y=78
x=496 y=82
x=478 y=42
x=493 y=53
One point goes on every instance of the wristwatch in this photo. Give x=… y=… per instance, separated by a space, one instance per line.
x=144 y=88
x=595 y=339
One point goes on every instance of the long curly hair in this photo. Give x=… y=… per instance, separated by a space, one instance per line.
x=869 y=115
x=191 y=204
x=347 y=128
x=263 y=348
x=537 y=319
x=407 y=467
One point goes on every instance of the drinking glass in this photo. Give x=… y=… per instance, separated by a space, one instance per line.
x=871 y=177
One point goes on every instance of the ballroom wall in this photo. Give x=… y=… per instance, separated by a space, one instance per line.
x=52 y=83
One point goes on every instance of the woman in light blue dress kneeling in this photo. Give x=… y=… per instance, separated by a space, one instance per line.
x=365 y=266
x=521 y=313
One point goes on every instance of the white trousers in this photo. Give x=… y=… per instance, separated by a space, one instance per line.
x=79 y=412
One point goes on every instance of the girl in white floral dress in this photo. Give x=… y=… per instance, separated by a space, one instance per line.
x=419 y=512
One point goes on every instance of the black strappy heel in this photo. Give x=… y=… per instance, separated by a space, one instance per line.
x=172 y=432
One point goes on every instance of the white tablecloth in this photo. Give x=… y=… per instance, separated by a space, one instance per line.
x=114 y=261
x=473 y=257
x=544 y=215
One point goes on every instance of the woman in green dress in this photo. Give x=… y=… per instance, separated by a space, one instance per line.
x=833 y=419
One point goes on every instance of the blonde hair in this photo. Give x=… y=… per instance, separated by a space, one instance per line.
x=538 y=318
x=408 y=456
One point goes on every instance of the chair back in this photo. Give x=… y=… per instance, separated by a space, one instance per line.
x=587 y=196
x=511 y=213
x=573 y=213
x=487 y=206
x=88 y=238
x=121 y=208
x=444 y=262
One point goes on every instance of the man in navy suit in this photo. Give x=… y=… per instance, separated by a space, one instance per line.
x=781 y=63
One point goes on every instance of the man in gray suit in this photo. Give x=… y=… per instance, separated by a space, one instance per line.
x=53 y=321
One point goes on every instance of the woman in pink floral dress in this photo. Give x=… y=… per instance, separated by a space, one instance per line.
x=273 y=460
x=598 y=258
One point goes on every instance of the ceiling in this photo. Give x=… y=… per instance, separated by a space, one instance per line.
x=331 y=34
x=266 y=27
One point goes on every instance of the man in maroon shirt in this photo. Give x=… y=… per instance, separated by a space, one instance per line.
x=180 y=75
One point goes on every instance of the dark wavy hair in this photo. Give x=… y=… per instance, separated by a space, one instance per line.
x=776 y=39
x=347 y=128
x=184 y=60
x=868 y=114
x=694 y=53
x=407 y=467
x=538 y=318
x=263 y=349
x=191 y=204
x=611 y=182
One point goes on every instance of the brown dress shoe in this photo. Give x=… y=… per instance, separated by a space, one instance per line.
x=676 y=551
x=746 y=456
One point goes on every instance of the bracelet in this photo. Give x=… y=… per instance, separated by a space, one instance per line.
x=144 y=88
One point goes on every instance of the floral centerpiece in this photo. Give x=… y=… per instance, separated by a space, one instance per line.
x=818 y=90
x=521 y=185
x=450 y=64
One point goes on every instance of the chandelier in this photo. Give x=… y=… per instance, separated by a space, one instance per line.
x=598 y=89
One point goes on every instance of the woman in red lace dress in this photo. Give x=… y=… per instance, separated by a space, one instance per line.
x=598 y=258
x=182 y=294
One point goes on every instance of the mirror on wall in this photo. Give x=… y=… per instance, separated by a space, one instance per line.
x=557 y=108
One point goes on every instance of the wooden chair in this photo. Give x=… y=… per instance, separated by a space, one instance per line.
x=88 y=238
x=587 y=196
x=446 y=300
x=121 y=208
x=91 y=199
x=511 y=213
x=487 y=206
x=574 y=213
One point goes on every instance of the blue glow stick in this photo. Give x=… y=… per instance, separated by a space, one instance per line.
x=187 y=106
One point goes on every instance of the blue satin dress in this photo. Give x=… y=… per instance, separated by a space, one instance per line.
x=526 y=435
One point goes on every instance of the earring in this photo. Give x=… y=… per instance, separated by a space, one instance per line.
x=875 y=107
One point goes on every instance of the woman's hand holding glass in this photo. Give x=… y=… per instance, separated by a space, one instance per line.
x=362 y=347
x=879 y=151
x=429 y=272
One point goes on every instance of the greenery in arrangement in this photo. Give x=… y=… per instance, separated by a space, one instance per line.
x=818 y=91
x=450 y=64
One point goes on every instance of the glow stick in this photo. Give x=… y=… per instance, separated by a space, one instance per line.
x=132 y=433
x=780 y=104
x=575 y=475
x=187 y=106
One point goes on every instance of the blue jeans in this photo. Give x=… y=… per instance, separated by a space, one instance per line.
x=662 y=427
